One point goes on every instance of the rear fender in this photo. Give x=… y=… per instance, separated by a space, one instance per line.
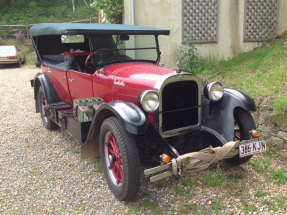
x=219 y=116
x=51 y=95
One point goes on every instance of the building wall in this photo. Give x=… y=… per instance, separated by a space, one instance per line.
x=167 y=14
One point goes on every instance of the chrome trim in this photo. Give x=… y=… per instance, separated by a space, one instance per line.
x=141 y=97
x=175 y=77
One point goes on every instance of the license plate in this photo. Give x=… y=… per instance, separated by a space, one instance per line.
x=252 y=147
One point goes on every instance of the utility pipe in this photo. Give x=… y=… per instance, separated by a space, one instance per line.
x=133 y=23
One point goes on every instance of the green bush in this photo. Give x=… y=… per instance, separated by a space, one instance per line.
x=188 y=58
x=113 y=9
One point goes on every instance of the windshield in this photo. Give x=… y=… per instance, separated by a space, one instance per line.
x=122 y=48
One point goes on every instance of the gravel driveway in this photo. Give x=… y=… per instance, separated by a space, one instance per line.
x=41 y=172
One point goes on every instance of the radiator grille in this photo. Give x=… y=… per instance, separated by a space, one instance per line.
x=179 y=105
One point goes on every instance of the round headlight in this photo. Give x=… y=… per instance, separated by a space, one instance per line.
x=149 y=100
x=213 y=91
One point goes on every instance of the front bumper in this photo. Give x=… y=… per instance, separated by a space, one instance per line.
x=195 y=161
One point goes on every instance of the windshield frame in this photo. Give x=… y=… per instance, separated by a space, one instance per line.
x=92 y=51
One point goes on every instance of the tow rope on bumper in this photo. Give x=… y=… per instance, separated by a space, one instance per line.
x=194 y=161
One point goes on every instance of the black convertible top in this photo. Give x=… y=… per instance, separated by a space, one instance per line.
x=88 y=28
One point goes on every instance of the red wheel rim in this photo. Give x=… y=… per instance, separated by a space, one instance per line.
x=237 y=133
x=44 y=109
x=115 y=159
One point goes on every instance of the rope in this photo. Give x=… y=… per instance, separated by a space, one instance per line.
x=197 y=161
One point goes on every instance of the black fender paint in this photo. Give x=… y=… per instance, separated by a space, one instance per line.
x=51 y=95
x=131 y=116
x=219 y=116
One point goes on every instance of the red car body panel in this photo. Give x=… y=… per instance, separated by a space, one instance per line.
x=124 y=81
x=59 y=81
x=80 y=84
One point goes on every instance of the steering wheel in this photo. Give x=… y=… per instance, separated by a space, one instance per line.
x=99 y=55
x=88 y=62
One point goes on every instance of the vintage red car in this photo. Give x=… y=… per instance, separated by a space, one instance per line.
x=103 y=85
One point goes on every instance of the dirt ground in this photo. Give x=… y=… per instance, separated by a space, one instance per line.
x=41 y=172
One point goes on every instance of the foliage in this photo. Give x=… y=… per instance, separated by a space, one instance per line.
x=33 y=12
x=280 y=110
x=212 y=180
x=261 y=72
x=188 y=58
x=112 y=8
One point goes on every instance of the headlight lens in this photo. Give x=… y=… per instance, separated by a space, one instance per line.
x=213 y=91
x=149 y=100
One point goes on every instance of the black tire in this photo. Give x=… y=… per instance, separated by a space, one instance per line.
x=245 y=123
x=122 y=169
x=47 y=122
x=19 y=64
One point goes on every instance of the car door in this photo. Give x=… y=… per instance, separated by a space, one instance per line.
x=80 y=84
x=59 y=81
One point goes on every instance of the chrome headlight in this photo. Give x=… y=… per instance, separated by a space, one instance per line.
x=149 y=100
x=213 y=91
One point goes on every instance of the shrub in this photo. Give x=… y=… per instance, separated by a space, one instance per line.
x=113 y=9
x=188 y=57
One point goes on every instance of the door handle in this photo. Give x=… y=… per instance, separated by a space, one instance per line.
x=71 y=80
x=64 y=77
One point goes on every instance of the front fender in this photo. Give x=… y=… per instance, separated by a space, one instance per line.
x=219 y=116
x=131 y=116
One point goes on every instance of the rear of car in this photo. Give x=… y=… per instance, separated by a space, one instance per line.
x=11 y=55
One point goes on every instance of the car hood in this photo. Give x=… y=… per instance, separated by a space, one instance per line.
x=138 y=75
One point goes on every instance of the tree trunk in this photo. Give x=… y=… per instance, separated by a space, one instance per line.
x=86 y=3
x=73 y=5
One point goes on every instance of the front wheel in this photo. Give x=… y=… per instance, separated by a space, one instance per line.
x=42 y=102
x=243 y=124
x=120 y=159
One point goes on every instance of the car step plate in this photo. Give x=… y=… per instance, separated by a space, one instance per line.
x=252 y=147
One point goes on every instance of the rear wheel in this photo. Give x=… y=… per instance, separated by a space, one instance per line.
x=19 y=64
x=243 y=124
x=42 y=102
x=120 y=159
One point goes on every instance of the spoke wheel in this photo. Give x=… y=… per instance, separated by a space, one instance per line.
x=42 y=102
x=243 y=124
x=113 y=159
x=120 y=159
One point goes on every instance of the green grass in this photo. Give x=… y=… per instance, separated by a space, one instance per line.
x=143 y=207
x=248 y=208
x=186 y=182
x=260 y=193
x=262 y=72
x=217 y=204
x=212 y=180
x=187 y=208
x=263 y=166
x=97 y=162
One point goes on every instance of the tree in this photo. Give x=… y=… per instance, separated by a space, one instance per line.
x=73 y=5
x=113 y=9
